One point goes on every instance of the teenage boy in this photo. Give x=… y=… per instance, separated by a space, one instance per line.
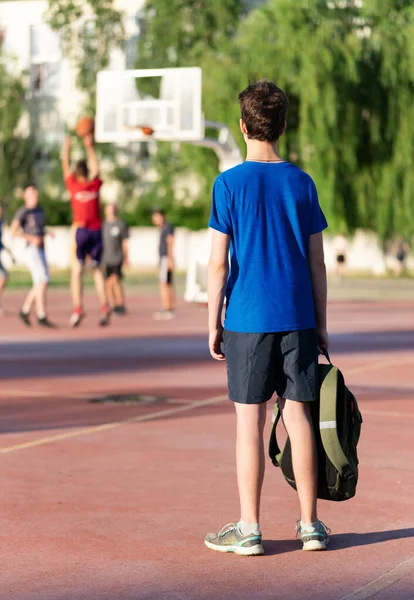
x=29 y=223
x=84 y=187
x=166 y=272
x=115 y=235
x=267 y=212
x=3 y=271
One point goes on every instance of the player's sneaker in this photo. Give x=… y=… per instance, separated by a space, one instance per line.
x=164 y=315
x=313 y=537
x=120 y=310
x=231 y=539
x=76 y=318
x=25 y=318
x=105 y=317
x=44 y=322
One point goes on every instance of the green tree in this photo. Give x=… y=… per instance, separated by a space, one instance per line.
x=349 y=74
x=89 y=30
x=16 y=151
x=348 y=70
x=180 y=34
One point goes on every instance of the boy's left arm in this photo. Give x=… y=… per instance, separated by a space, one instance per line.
x=170 y=251
x=218 y=270
x=93 y=162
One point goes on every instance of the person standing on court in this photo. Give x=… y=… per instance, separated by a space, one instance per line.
x=266 y=212
x=115 y=234
x=84 y=187
x=29 y=223
x=166 y=269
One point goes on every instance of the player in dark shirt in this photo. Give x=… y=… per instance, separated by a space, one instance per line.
x=166 y=270
x=115 y=256
x=29 y=223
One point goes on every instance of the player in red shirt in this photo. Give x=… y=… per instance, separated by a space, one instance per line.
x=84 y=186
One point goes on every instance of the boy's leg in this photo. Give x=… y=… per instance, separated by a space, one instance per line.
x=250 y=454
x=118 y=291
x=40 y=300
x=109 y=284
x=95 y=250
x=298 y=423
x=76 y=277
x=166 y=287
x=29 y=300
x=100 y=286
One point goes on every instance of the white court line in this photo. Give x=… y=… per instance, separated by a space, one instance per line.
x=111 y=425
x=167 y=412
x=384 y=581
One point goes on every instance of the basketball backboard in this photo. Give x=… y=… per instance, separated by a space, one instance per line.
x=165 y=101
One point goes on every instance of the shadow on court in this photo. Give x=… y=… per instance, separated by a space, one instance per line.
x=341 y=541
x=42 y=359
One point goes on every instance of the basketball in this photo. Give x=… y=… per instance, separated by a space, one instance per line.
x=84 y=126
x=147 y=130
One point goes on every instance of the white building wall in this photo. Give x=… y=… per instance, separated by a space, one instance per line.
x=365 y=254
x=17 y=17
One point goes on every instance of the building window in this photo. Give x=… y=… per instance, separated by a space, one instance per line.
x=45 y=61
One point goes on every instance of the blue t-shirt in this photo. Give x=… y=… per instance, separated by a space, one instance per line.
x=269 y=210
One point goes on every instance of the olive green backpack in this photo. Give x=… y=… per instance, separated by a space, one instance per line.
x=337 y=422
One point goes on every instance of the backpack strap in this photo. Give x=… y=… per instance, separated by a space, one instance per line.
x=274 y=451
x=328 y=424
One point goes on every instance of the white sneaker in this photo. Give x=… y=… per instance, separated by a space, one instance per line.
x=75 y=319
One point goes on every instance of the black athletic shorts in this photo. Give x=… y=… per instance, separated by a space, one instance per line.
x=113 y=270
x=260 y=364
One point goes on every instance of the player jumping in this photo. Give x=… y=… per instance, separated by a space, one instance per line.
x=84 y=186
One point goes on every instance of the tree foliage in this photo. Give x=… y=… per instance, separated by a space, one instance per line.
x=89 y=30
x=348 y=70
x=16 y=151
x=181 y=34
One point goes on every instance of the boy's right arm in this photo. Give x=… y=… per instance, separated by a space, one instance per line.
x=319 y=287
x=218 y=268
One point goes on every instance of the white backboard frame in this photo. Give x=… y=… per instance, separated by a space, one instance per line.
x=118 y=117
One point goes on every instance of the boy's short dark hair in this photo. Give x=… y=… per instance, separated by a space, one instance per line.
x=263 y=110
x=30 y=184
x=82 y=168
x=159 y=211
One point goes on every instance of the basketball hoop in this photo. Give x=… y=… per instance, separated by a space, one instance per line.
x=146 y=130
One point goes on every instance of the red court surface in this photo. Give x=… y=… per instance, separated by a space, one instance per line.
x=111 y=502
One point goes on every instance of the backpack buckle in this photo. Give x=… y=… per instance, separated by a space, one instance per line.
x=347 y=473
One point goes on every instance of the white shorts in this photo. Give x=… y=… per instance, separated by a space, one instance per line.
x=166 y=276
x=36 y=262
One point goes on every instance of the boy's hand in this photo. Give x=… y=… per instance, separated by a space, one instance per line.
x=323 y=339
x=215 y=340
x=88 y=140
x=35 y=240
